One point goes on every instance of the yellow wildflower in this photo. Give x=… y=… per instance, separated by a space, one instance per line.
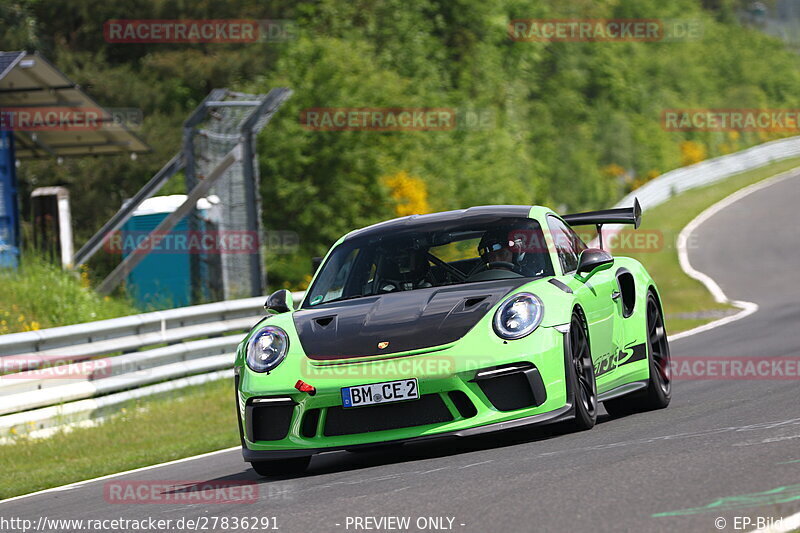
x=692 y=152
x=409 y=193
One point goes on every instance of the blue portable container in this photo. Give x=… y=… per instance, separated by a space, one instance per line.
x=162 y=279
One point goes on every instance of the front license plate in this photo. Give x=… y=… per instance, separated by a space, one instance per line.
x=388 y=392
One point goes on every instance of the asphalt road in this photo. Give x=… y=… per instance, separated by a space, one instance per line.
x=724 y=448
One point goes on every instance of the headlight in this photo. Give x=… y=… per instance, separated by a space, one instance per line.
x=518 y=316
x=266 y=349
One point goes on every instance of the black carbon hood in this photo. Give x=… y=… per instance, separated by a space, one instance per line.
x=407 y=320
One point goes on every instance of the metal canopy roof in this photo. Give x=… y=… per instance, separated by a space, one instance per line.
x=30 y=84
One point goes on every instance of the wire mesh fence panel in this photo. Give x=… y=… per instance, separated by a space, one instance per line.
x=218 y=134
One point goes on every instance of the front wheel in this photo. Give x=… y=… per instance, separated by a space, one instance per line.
x=659 y=386
x=278 y=467
x=581 y=372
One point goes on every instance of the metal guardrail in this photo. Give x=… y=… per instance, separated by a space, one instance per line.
x=41 y=422
x=49 y=376
x=21 y=351
x=667 y=185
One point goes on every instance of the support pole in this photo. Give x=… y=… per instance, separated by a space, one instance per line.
x=166 y=225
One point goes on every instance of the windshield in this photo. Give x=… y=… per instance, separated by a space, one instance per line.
x=419 y=258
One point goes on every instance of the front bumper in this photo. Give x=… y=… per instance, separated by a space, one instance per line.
x=460 y=396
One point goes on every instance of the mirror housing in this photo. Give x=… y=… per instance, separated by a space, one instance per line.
x=279 y=302
x=592 y=261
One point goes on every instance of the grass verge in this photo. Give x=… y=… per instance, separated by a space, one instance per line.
x=147 y=431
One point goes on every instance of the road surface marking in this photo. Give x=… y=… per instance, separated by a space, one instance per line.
x=747 y=308
x=110 y=476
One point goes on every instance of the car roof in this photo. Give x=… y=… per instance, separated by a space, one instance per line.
x=483 y=213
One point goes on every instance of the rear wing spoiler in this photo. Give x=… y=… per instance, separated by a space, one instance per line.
x=621 y=215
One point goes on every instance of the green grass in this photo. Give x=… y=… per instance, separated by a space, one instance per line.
x=41 y=295
x=169 y=427
x=178 y=424
x=682 y=294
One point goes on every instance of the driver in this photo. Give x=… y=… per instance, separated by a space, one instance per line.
x=496 y=246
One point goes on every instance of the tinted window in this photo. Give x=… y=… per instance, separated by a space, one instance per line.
x=432 y=256
x=567 y=244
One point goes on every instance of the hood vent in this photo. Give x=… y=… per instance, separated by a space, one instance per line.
x=406 y=320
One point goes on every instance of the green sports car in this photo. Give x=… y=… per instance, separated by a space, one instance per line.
x=451 y=324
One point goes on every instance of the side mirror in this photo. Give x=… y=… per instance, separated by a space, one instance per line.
x=315 y=263
x=279 y=302
x=592 y=261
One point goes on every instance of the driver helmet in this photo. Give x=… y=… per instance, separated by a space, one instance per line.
x=494 y=240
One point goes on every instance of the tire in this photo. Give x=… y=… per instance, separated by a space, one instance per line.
x=279 y=467
x=581 y=375
x=659 y=385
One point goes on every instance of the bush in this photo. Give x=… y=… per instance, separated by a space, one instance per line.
x=41 y=295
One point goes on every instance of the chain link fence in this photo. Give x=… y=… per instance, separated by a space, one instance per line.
x=235 y=118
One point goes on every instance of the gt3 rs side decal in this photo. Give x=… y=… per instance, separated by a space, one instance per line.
x=630 y=354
